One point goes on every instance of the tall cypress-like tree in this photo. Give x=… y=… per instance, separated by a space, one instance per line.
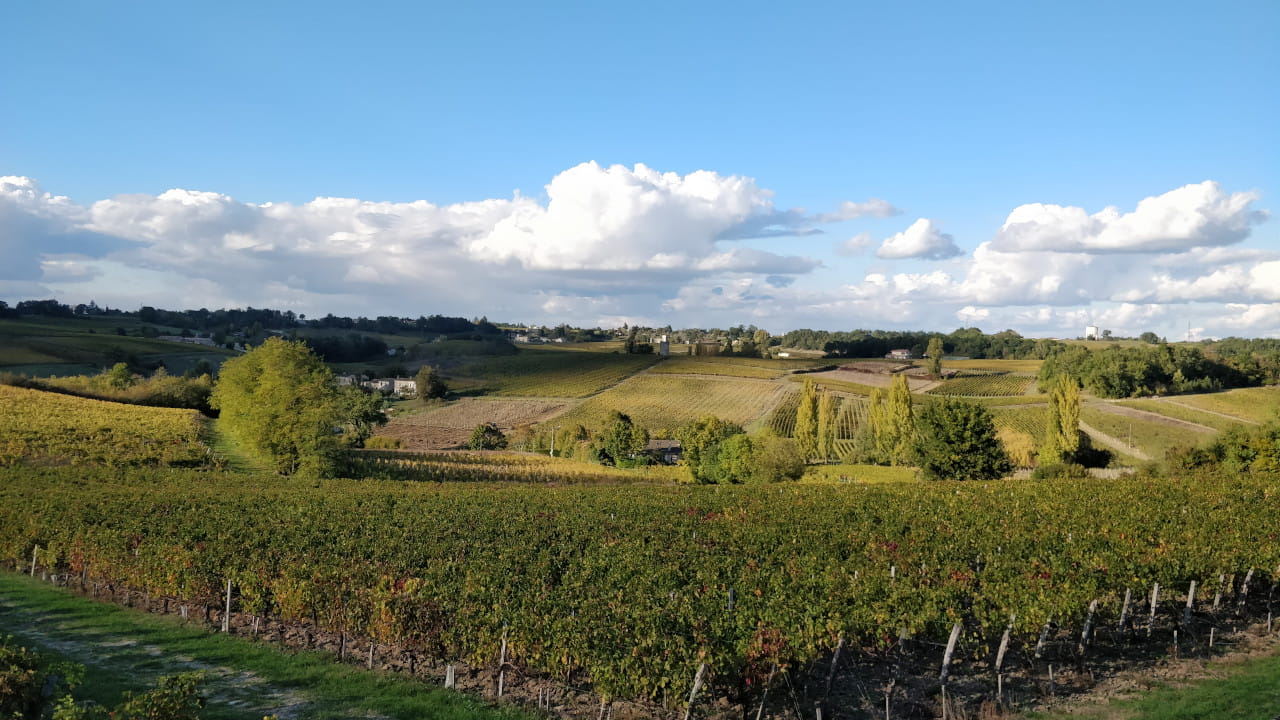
x=934 y=353
x=807 y=420
x=826 y=426
x=1062 y=426
x=901 y=421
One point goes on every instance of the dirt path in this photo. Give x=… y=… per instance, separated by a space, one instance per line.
x=123 y=655
x=1152 y=417
x=1114 y=442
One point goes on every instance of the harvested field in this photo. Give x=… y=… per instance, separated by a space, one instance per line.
x=664 y=402
x=874 y=379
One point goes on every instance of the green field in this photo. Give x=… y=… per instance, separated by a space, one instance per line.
x=76 y=346
x=664 y=402
x=1174 y=408
x=550 y=373
x=1151 y=437
x=1257 y=404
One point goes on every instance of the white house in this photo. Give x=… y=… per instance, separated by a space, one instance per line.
x=901 y=354
x=1091 y=332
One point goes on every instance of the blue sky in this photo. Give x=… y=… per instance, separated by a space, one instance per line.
x=720 y=140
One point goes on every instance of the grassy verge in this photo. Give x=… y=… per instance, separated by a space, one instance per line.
x=229 y=450
x=1246 y=690
x=128 y=650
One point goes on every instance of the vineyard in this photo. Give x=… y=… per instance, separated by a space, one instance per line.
x=502 y=467
x=732 y=366
x=551 y=373
x=664 y=402
x=1252 y=404
x=38 y=427
x=631 y=589
x=988 y=385
x=1151 y=437
x=450 y=425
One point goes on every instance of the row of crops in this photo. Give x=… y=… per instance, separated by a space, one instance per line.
x=665 y=402
x=501 y=467
x=629 y=588
x=984 y=385
x=49 y=428
x=553 y=373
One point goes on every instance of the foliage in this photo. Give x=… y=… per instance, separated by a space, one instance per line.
x=49 y=428
x=1020 y=446
x=371 y=558
x=1061 y=438
x=1060 y=471
x=1122 y=372
x=886 y=437
x=806 y=432
x=429 y=383
x=382 y=442
x=119 y=384
x=29 y=681
x=279 y=401
x=826 y=426
x=957 y=441
x=487 y=436
x=935 y=353
x=622 y=443
x=699 y=445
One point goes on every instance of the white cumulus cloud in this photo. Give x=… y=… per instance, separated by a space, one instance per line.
x=923 y=240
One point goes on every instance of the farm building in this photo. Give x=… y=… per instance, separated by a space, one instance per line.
x=400 y=387
x=1091 y=332
x=901 y=354
x=667 y=452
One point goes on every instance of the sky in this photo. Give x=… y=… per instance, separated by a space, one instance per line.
x=909 y=165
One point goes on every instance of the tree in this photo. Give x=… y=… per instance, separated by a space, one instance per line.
x=935 y=353
x=826 y=426
x=282 y=404
x=699 y=441
x=893 y=436
x=1062 y=425
x=807 y=420
x=487 y=436
x=761 y=340
x=956 y=440
x=622 y=443
x=430 y=386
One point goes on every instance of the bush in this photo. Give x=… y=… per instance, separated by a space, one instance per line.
x=383 y=442
x=487 y=436
x=1060 y=471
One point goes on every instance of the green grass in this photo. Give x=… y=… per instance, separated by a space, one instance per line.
x=550 y=373
x=664 y=402
x=72 y=346
x=1256 y=404
x=128 y=650
x=1153 y=438
x=1182 y=412
x=731 y=366
x=1246 y=690
x=231 y=452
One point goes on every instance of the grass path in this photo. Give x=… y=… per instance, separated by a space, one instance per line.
x=226 y=448
x=127 y=649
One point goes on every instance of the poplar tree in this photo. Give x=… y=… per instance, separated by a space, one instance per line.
x=826 y=426
x=934 y=353
x=807 y=420
x=1062 y=426
x=901 y=421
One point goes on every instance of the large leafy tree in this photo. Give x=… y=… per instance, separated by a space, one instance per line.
x=622 y=443
x=430 y=385
x=699 y=445
x=281 y=403
x=956 y=440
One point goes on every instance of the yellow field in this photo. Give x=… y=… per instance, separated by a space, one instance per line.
x=44 y=428
x=664 y=402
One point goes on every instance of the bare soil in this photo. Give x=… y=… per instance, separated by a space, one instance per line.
x=450 y=426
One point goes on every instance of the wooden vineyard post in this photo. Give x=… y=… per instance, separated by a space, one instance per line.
x=1217 y=594
x=449 y=671
x=1244 y=592
x=34 y=550
x=1088 y=628
x=835 y=662
x=1124 y=610
x=693 y=693
x=502 y=665
x=946 y=657
x=764 y=694
x=370 y=662
x=1191 y=599
x=1155 y=598
x=1004 y=647
x=226 y=612
x=1044 y=637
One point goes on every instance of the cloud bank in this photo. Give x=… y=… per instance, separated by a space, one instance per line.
x=608 y=244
